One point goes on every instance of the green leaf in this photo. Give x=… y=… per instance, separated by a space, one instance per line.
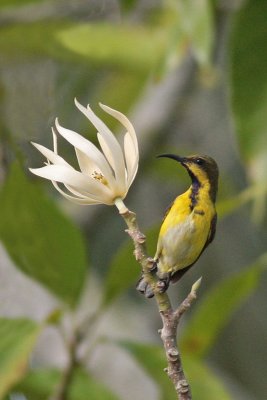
x=116 y=44
x=248 y=76
x=231 y=204
x=41 y=384
x=248 y=81
x=218 y=306
x=120 y=46
x=17 y=338
x=42 y=242
x=152 y=359
x=205 y=384
x=85 y=386
x=18 y=41
x=131 y=86
x=124 y=270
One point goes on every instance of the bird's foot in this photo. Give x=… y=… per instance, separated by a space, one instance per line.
x=163 y=284
x=143 y=286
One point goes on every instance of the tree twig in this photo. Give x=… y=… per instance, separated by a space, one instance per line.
x=170 y=317
x=62 y=389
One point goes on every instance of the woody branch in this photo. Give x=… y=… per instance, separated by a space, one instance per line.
x=170 y=317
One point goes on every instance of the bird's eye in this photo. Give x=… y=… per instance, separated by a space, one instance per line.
x=200 y=161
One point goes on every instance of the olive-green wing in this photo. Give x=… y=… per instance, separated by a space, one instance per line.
x=211 y=232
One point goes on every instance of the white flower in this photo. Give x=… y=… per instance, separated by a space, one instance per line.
x=104 y=177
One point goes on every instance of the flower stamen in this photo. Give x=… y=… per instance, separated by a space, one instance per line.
x=100 y=177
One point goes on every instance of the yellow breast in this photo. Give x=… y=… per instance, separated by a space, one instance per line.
x=184 y=232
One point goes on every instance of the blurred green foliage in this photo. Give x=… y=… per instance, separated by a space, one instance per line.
x=41 y=384
x=213 y=312
x=17 y=339
x=152 y=359
x=248 y=70
x=39 y=235
x=15 y=3
x=123 y=271
x=248 y=74
x=205 y=384
x=96 y=58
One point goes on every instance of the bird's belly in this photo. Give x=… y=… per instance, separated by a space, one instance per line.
x=182 y=244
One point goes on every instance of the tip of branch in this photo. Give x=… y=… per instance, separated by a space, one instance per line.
x=196 y=285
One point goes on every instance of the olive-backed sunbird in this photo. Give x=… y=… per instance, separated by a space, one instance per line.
x=189 y=224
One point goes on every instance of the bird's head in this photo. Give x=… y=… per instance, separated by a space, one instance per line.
x=202 y=169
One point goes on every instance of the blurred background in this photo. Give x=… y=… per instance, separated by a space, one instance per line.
x=192 y=78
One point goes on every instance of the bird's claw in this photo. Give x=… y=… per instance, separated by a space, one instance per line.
x=142 y=285
x=162 y=285
x=144 y=288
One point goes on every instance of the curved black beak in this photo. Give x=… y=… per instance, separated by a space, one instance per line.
x=173 y=157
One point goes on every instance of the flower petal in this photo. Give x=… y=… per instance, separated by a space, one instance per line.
x=51 y=155
x=130 y=143
x=89 y=149
x=76 y=200
x=109 y=144
x=125 y=122
x=117 y=165
x=131 y=159
x=77 y=180
x=77 y=193
x=87 y=166
x=54 y=140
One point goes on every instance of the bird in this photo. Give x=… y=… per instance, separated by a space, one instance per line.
x=189 y=224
